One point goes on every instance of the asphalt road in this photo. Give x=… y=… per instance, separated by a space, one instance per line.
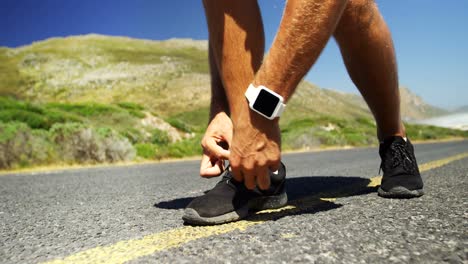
x=135 y=211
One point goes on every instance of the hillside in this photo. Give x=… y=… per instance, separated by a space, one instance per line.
x=168 y=77
x=462 y=109
x=413 y=107
x=108 y=69
x=94 y=98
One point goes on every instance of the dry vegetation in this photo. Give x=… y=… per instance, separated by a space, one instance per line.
x=89 y=99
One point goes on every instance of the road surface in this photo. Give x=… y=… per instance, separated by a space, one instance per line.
x=133 y=214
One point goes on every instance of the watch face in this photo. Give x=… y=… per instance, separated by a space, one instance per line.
x=266 y=103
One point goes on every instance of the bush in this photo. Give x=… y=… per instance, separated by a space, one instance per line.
x=130 y=106
x=134 y=135
x=136 y=113
x=159 y=137
x=14 y=147
x=35 y=117
x=133 y=108
x=10 y=103
x=78 y=143
x=57 y=116
x=145 y=150
x=20 y=146
x=33 y=120
x=179 y=124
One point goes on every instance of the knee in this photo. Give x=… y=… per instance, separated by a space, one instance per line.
x=358 y=15
x=360 y=5
x=360 y=10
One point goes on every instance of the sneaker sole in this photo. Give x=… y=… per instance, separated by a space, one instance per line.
x=262 y=203
x=400 y=192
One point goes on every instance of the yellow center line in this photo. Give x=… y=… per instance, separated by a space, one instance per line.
x=127 y=250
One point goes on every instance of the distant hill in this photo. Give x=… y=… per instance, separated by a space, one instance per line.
x=413 y=107
x=169 y=77
x=463 y=109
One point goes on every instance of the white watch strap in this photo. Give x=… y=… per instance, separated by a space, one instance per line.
x=282 y=106
x=251 y=92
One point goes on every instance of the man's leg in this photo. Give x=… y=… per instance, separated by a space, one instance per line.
x=237 y=41
x=237 y=45
x=367 y=49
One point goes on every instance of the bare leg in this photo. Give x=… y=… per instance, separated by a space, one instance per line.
x=237 y=43
x=236 y=36
x=367 y=49
x=218 y=96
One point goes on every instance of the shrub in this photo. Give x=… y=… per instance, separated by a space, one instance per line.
x=10 y=103
x=14 y=145
x=136 y=113
x=32 y=119
x=130 y=106
x=20 y=146
x=84 y=144
x=35 y=117
x=57 y=116
x=179 y=124
x=160 y=137
x=133 y=108
x=134 y=135
x=145 y=150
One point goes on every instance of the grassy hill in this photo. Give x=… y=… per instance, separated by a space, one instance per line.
x=168 y=77
x=107 y=69
x=97 y=98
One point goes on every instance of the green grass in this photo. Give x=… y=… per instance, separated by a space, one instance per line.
x=328 y=131
x=36 y=117
x=191 y=121
x=185 y=148
x=85 y=109
x=424 y=132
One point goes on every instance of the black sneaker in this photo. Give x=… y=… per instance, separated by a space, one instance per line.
x=230 y=200
x=401 y=177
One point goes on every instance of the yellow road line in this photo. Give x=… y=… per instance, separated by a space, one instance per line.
x=127 y=250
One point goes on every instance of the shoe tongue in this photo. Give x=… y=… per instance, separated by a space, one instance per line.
x=397 y=139
x=388 y=141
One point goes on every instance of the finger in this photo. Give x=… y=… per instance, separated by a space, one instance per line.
x=228 y=137
x=263 y=178
x=216 y=150
x=248 y=169
x=249 y=180
x=275 y=165
x=236 y=173
x=209 y=169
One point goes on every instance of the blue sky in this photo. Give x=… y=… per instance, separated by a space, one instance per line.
x=430 y=36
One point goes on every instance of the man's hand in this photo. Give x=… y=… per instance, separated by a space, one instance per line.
x=255 y=149
x=215 y=144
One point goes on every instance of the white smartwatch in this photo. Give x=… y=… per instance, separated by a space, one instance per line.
x=264 y=101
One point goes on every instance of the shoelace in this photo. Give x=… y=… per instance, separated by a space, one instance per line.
x=228 y=178
x=399 y=154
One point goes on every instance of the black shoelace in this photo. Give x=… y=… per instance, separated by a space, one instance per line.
x=400 y=156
